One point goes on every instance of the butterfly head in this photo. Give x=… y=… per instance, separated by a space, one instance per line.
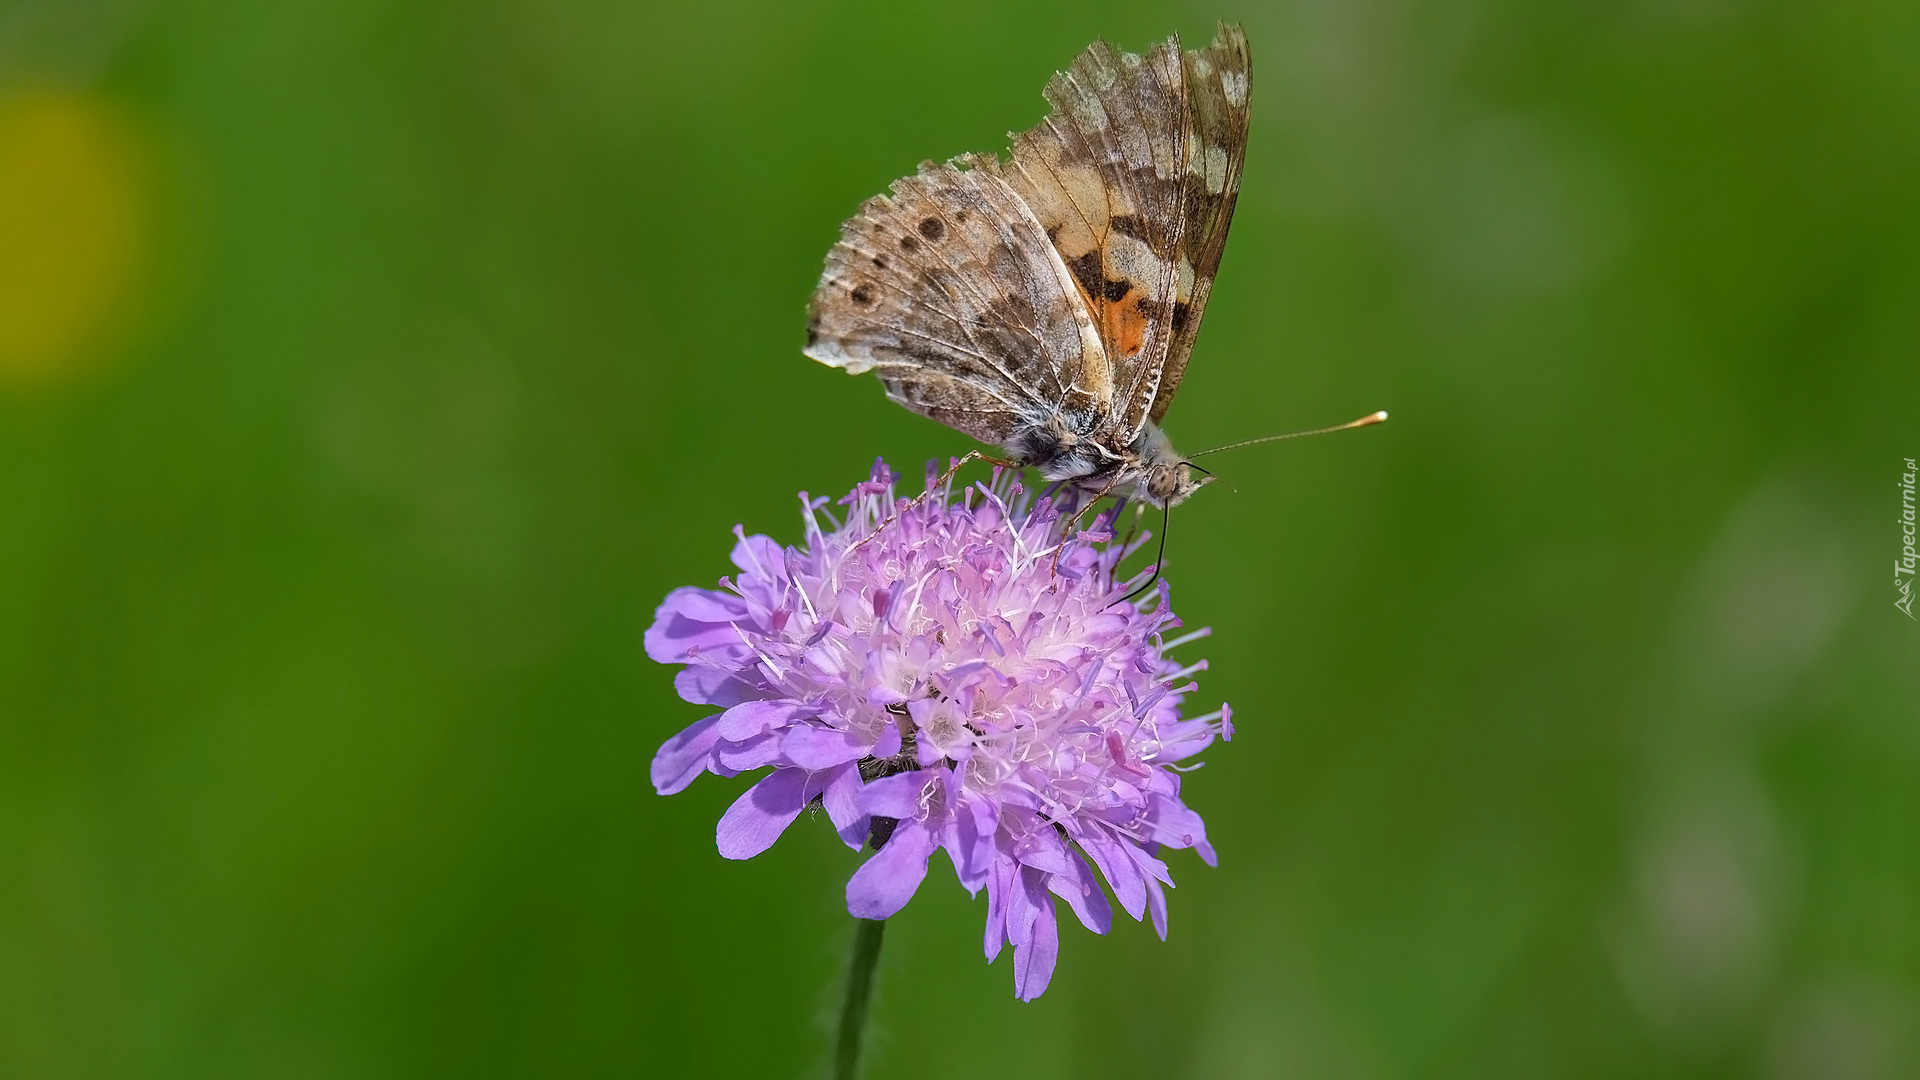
x=1168 y=483
x=1162 y=477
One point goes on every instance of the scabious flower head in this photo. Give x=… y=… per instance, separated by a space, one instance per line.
x=954 y=673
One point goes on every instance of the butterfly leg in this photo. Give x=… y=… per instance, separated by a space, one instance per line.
x=1139 y=515
x=1075 y=520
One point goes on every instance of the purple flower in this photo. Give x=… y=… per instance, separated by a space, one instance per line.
x=954 y=674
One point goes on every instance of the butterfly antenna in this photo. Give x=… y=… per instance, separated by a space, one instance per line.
x=1370 y=418
x=1211 y=475
x=1159 y=557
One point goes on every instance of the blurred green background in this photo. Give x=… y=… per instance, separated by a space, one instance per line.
x=369 y=373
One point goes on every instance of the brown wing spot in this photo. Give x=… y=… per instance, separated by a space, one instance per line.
x=880 y=262
x=813 y=330
x=1086 y=271
x=1181 y=309
x=862 y=294
x=933 y=228
x=909 y=245
x=1130 y=225
x=1014 y=310
x=1092 y=276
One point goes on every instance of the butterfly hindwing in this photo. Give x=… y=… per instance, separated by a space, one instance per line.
x=949 y=291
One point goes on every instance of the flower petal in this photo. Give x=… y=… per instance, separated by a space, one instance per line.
x=1117 y=866
x=1174 y=825
x=1153 y=868
x=756 y=819
x=734 y=758
x=896 y=796
x=999 y=886
x=758 y=555
x=1033 y=962
x=690 y=620
x=884 y=883
x=816 y=746
x=717 y=684
x=683 y=757
x=1157 y=901
x=841 y=802
x=888 y=744
x=1043 y=850
x=751 y=718
x=968 y=838
x=1081 y=890
x=1024 y=901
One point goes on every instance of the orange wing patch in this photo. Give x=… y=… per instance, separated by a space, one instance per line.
x=1124 y=325
x=1122 y=305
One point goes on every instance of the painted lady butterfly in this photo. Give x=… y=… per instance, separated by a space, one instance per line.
x=1049 y=303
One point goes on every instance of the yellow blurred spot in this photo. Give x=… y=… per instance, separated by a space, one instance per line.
x=75 y=226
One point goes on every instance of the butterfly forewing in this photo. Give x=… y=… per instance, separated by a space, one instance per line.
x=1219 y=81
x=1104 y=172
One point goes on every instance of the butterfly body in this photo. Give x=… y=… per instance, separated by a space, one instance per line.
x=1147 y=467
x=1049 y=303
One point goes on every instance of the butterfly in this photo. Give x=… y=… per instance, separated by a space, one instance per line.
x=1049 y=302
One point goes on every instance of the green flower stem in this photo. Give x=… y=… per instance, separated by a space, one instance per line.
x=853 y=1013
